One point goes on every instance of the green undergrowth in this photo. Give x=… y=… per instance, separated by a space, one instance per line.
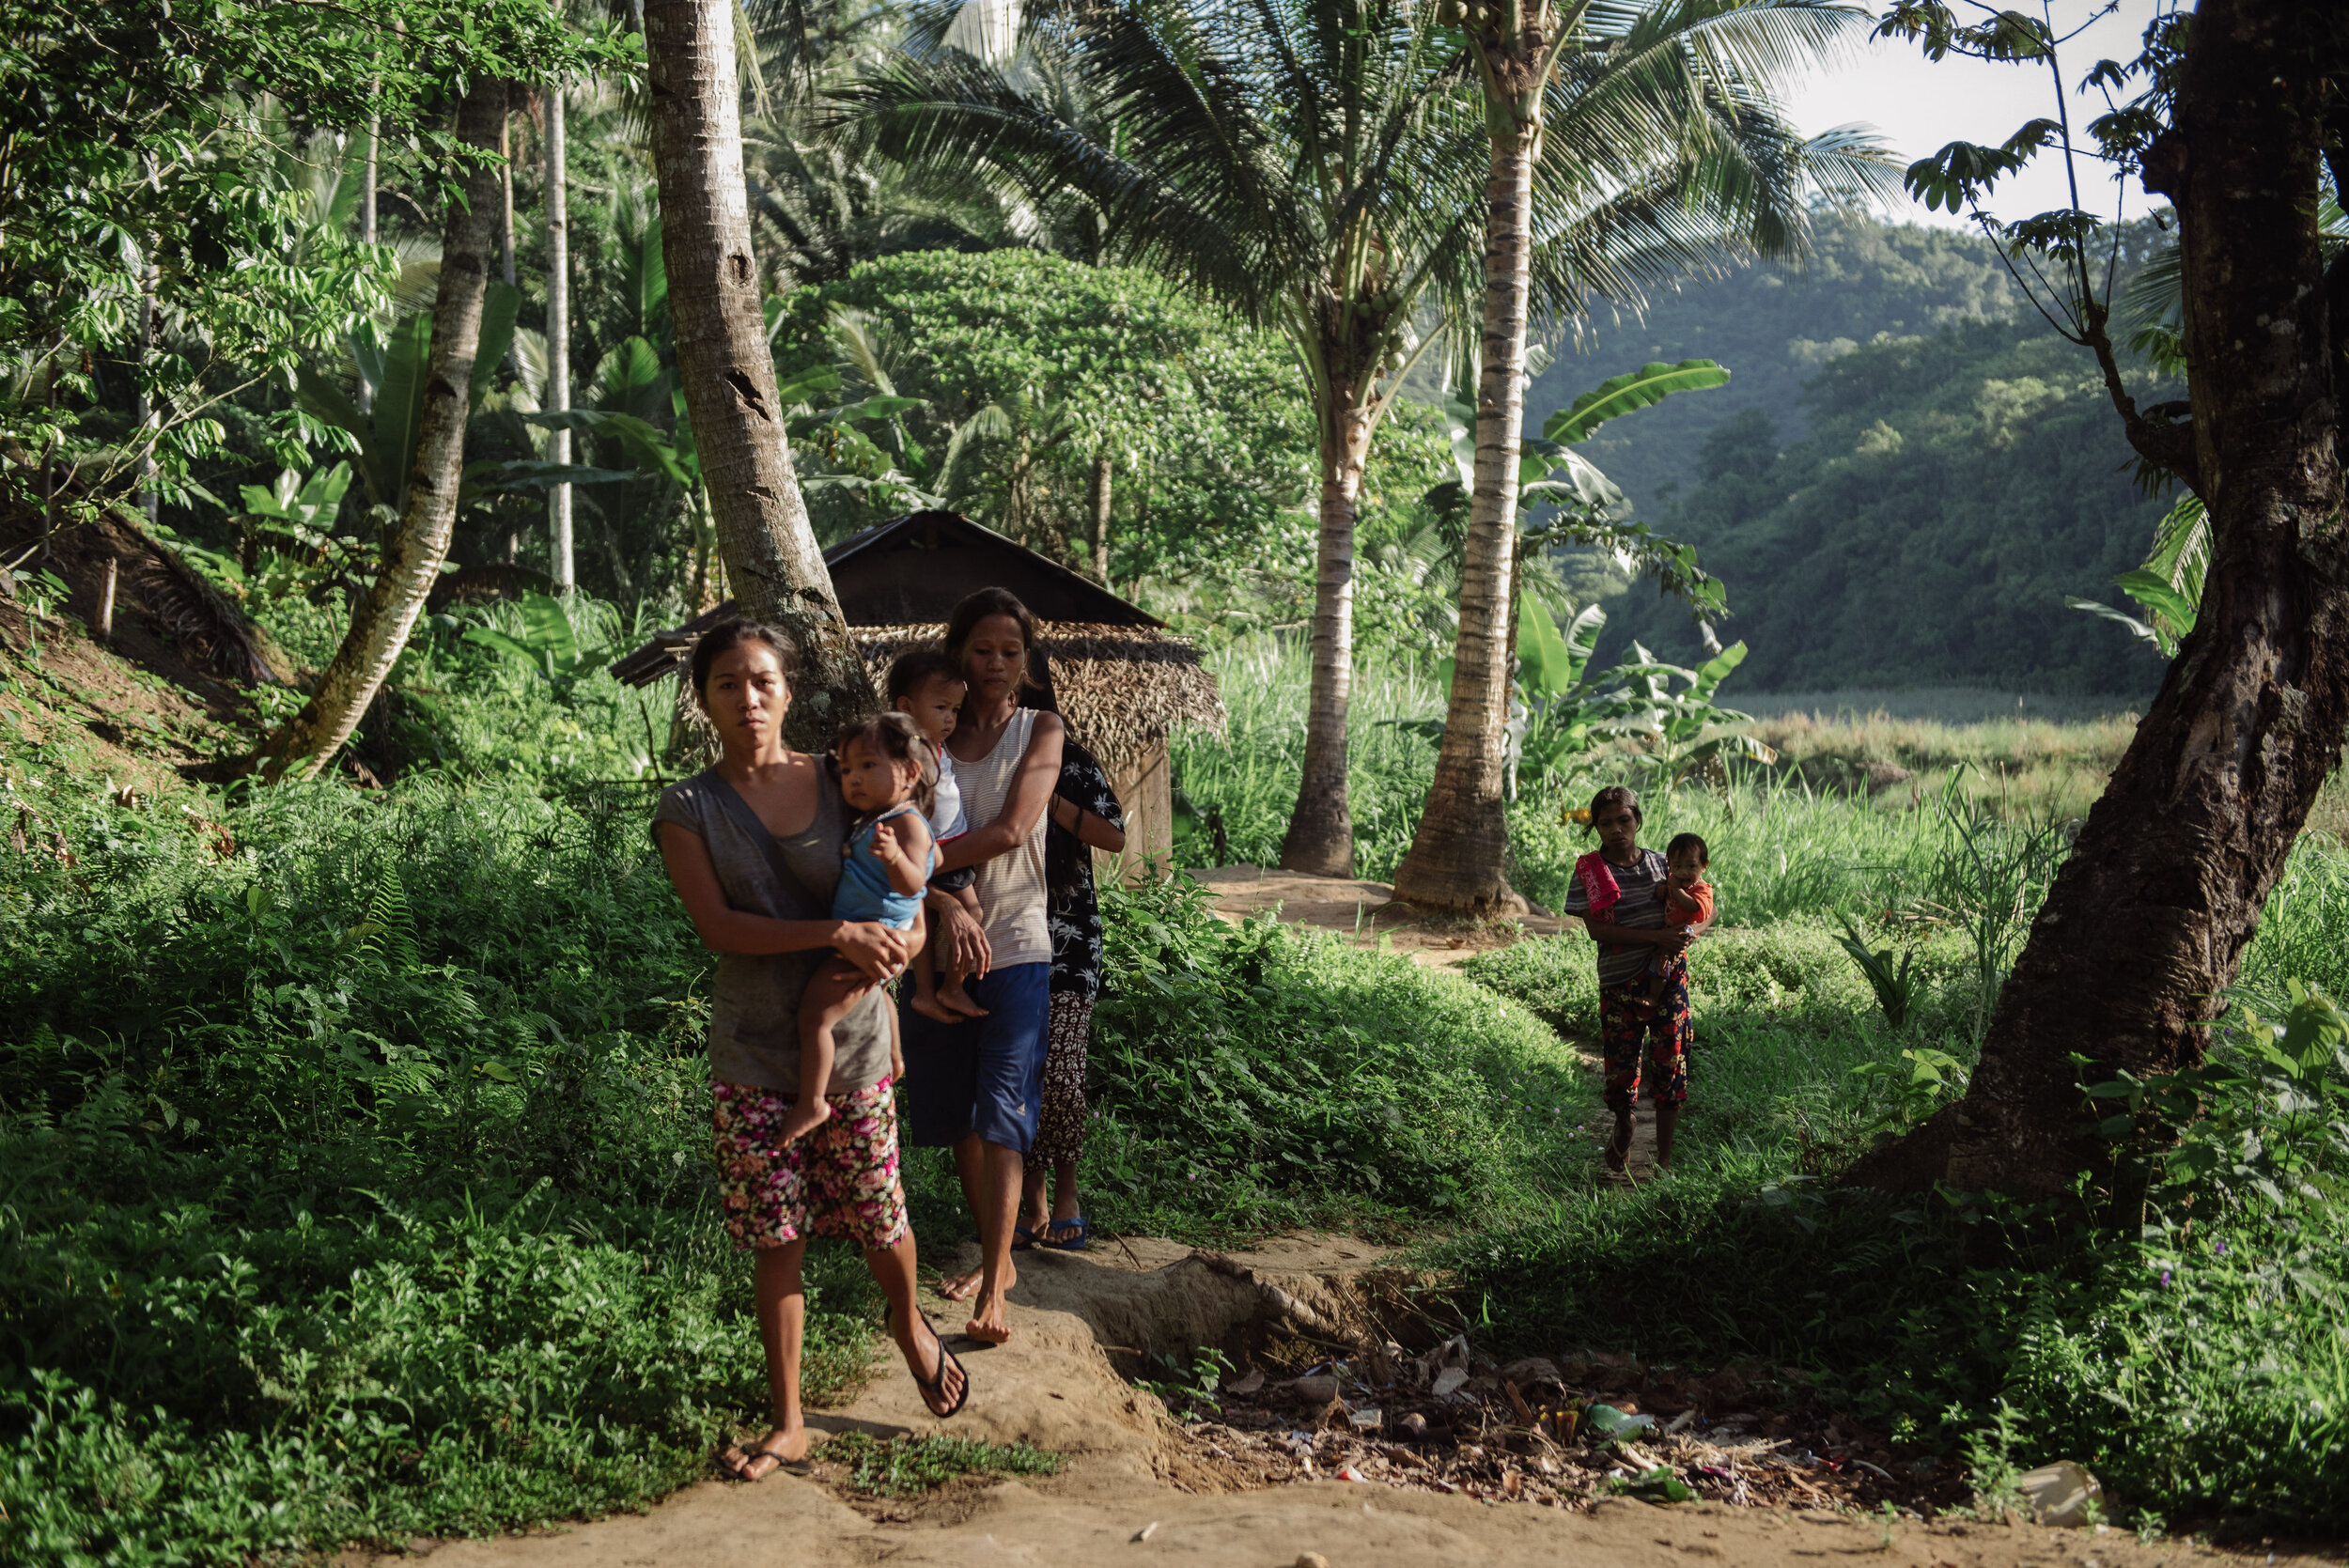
x=1250 y=1077
x=354 y=1179
x=355 y=1175
x=2201 y=1369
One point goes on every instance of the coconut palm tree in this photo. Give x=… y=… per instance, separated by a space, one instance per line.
x=428 y=514
x=1662 y=109
x=1318 y=164
x=1311 y=161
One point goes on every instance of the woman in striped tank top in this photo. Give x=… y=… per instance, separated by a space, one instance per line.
x=976 y=1086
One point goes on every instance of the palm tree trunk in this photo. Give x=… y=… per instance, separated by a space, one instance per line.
x=1103 y=472
x=412 y=557
x=729 y=374
x=366 y=224
x=2146 y=923
x=1459 y=851
x=558 y=394
x=506 y=189
x=1320 y=837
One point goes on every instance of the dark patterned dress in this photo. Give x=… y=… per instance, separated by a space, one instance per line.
x=1075 y=921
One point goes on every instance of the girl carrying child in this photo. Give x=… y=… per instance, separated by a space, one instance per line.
x=1623 y=892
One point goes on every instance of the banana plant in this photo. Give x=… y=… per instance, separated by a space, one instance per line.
x=1586 y=507
x=302 y=507
x=547 y=645
x=1679 y=733
x=2168 y=586
x=1571 y=716
x=384 y=439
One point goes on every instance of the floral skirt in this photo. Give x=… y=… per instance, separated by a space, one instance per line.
x=840 y=1180
x=1626 y=1026
x=1060 y=1130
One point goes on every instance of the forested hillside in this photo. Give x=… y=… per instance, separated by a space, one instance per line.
x=1906 y=475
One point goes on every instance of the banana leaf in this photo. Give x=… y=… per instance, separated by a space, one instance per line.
x=1628 y=393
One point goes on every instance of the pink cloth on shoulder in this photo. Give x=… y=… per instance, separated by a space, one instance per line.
x=1599 y=883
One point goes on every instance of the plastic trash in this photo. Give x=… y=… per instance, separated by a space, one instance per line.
x=2060 y=1494
x=1604 y=1421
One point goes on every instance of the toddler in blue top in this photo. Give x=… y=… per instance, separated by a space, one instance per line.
x=886 y=777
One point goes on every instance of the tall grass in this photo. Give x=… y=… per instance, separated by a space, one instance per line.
x=1248 y=777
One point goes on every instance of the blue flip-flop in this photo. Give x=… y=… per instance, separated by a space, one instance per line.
x=1023 y=1238
x=1072 y=1244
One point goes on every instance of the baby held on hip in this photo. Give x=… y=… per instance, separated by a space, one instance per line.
x=885 y=777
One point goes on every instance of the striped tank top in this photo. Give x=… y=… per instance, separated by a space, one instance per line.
x=1010 y=887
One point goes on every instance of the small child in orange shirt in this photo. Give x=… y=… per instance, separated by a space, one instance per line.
x=1688 y=900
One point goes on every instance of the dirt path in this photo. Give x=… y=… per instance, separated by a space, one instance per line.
x=1367 y=913
x=1136 y=1489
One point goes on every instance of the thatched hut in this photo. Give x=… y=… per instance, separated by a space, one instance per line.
x=1122 y=681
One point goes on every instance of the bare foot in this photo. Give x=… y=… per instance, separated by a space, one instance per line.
x=780 y=1448
x=987 y=1325
x=807 y=1116
x=932 y=1007
x=959 y=1287
x=955 y=998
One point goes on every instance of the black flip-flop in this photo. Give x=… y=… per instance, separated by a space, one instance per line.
x=796 y=1467
x=945 y=1358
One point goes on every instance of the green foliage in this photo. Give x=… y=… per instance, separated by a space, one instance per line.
x=1894 y=986
x=1898 y=419
x=1989 y=876
x=2265 y=1118
x=371 y=1197
x=1246 y=779
x=908 y=1466
x=383 y=437
x=1257 y=1077
x=1629 y=392
x=142 y=137
x=1029 y=367
x=2169 y=585
x=547 y=645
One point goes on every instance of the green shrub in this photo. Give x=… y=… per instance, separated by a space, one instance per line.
x=355 y=1186
x=1262 y=1076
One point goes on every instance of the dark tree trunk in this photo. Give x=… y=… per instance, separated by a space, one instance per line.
x=728 y=371
x=2148 y=920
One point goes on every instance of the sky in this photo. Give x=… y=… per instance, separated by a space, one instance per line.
x=1919 y=106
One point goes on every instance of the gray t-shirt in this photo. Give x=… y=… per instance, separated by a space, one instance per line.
x=1639 y=910
x=755 y=1006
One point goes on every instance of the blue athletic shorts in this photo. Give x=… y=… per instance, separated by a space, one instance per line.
x=983 y=1076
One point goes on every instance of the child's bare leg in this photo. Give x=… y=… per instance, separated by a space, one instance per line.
x=824 y=1004
x=926 y=988
x=928 y=980
x=950 y=992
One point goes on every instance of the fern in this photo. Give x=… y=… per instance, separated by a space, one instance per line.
x=389 y=931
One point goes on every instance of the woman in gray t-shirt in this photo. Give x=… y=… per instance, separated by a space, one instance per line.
x=752 y=846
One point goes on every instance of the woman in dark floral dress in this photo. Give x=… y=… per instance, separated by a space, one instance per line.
x=1084 y=815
